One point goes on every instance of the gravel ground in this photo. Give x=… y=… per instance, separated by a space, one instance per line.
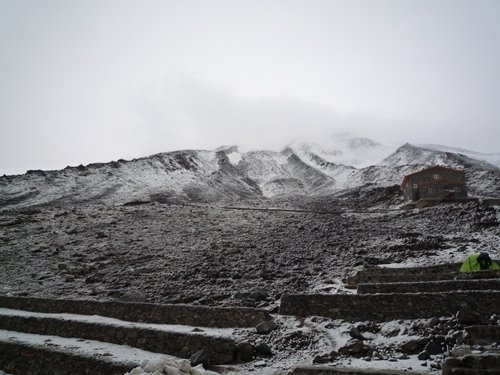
x=218 y=256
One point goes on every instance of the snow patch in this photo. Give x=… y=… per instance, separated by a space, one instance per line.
x=219 y=332
x=114 y=352
x=234 y=157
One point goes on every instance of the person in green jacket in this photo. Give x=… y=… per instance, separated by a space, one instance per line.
x=478 y=262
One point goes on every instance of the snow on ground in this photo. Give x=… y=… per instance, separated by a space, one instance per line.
x=321 y=335
x=150 y=362
x=220 y=332
x=113 y=352
x=485 y=241
x=333 y=286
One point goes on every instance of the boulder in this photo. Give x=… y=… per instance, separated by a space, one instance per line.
x=244 y=352
x=423 y=356
x=466 y=316
x=200 y=357
x=263 y=349
x=322 y=359
x=411 y=347
x=433 y=347
x=356 y=334
x=265 y=328
x=355 y=348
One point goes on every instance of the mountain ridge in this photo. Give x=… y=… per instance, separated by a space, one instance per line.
x=227 y=175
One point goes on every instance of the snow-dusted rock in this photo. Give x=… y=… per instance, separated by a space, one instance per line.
x=198 y=370
x=265 y=328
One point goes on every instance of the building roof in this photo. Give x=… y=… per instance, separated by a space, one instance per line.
x=435 y=167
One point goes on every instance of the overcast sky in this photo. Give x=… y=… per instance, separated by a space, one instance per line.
x=89 y=81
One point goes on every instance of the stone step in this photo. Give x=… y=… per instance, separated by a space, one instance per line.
x=382 y=307
x=483 y=335
x=144 y=312
x=329 y=370
x=474 y=364
x=354 y=281
x=29 y=354
x=178 y=341
x=467 y=371
x=368 y=278
x=430 y=286
x=437 y=268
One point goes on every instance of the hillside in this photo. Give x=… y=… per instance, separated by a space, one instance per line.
x=227 y=175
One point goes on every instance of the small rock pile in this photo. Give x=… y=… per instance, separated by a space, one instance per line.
x=429 y=339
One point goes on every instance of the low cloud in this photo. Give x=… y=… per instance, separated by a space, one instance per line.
x=186 y=113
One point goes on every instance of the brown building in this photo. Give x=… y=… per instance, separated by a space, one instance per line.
x=434 y=183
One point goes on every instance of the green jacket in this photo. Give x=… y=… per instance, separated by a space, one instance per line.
x=471 y=264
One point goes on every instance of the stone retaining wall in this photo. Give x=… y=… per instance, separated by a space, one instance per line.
x=440 y=268
x=354 y=281
x=430 y=286
x=20 y=359
x=492 y=202
x=325 y=370
x=431 y=273
x=488 y=364
x=144 y=312
x=381 y=307
x=483 y=335
x=487 y=274
x=367 y=278
x=218 y=349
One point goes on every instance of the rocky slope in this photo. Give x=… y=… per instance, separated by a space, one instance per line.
x=213 y=255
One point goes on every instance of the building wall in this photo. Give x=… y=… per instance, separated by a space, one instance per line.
x=435 y=183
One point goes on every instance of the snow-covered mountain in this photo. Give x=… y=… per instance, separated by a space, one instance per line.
x=345 y=149
x=228 y=175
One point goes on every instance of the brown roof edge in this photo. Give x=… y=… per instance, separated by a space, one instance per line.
x=428 y=169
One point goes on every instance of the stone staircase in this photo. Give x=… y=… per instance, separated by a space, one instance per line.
x=430 y=286
x=41 y=336
x=51 y=336
x=381 y=275
x=411 y=293
x=325 y=370
x=48 y=355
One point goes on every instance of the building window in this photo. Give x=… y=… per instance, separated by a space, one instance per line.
x=431 y=190
x=437 y=177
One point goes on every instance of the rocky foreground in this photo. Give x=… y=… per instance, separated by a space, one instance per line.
x=250 y=255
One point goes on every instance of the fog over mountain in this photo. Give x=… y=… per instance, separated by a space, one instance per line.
x=335 y=167
x=103 y=80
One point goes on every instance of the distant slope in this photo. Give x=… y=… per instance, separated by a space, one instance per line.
x=227 y=175
x=493 y=159
x=418 y=155
x=344 y=149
